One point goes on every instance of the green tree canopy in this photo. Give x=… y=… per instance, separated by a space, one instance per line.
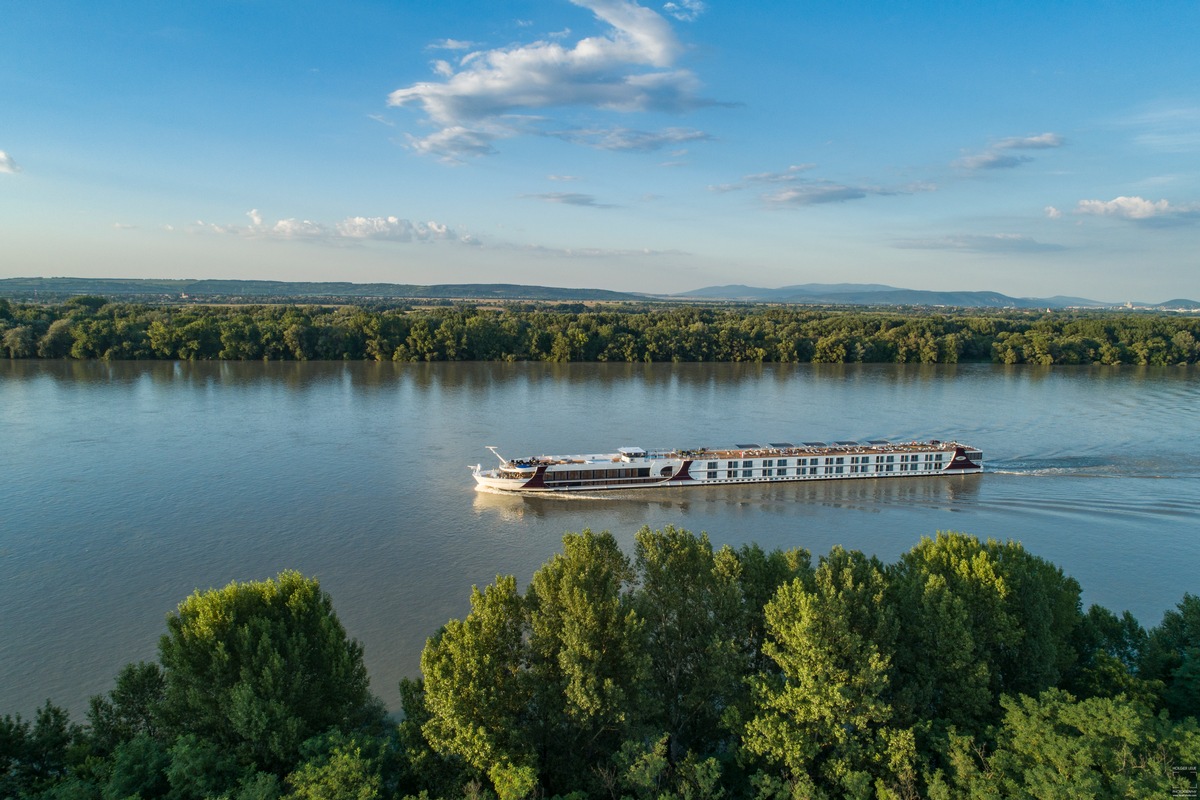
x=259 y=667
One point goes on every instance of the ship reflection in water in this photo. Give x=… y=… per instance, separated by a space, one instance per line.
x=945 y=492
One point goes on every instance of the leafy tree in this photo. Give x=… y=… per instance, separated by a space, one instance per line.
x=259 y=667
x=200 y=769
x=57 y=341
x=588 y=660
x=1057 y=746
x=34 y=757
x=1172 y=656
x=19 y=341
x=478 y=691
x=1110 y=649
x=131 y=708
x=138 y=768
x=978 y=620
x=825 y=719
x=691 y=608
x=345 y=772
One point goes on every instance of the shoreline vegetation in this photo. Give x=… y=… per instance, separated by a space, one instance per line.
x=966 y=669
x=92 y=327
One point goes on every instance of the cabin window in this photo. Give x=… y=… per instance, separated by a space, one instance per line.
x=712 y=465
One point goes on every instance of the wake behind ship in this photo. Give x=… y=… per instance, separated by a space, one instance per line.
x=636 y=467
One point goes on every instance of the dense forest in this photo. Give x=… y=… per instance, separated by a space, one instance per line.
x=965 y=669
x=94 y=328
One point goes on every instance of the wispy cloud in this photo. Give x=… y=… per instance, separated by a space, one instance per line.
x=791 y=174
x=1000 y=154
x=792 y=187
x=590 y=252
x=7 y=165
x=981 y=243
x=348 y=230
x=685 y=10
x=570 y=199
x=565 y=178
x=1167 y=128
x=450 y=44
x=1139 y=209
x=630 y=67
x=629 y=139
x=816 y=193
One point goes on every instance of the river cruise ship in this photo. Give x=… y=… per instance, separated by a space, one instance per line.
x=636 y=467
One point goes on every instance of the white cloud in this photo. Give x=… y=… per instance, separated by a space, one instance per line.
x=628 y=68
x=1136 y=208
x=7 y=165
x=1052 y=212
x=685 y=10
x=391 y=229
x=563 y=177
x=346 y=231
x=998 y=155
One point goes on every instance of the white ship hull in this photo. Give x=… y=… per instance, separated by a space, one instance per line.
x=635 y=468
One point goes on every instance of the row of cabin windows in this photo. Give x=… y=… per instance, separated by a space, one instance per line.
x=830 y=460
x=833 y=466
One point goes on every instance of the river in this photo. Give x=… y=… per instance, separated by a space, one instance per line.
x=124 y=487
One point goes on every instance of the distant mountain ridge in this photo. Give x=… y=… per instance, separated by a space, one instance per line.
x=841 y=294
x=874 y=294
x=265 y=290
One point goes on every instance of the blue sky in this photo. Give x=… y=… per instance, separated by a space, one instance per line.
x=1028 y=148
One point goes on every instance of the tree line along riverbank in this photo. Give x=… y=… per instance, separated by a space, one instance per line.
x=965 y=669
x=94 y=328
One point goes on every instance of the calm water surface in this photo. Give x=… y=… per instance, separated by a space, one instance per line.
x=126 y=486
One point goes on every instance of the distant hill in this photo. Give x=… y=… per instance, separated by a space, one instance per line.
x=872 y=294
x=1179 y=305
x=838 y=294
x=142 y=289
